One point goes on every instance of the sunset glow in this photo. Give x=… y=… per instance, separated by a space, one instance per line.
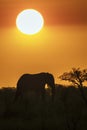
x=43 y=64
x=58 y=43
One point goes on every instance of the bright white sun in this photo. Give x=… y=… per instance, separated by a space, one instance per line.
x=29 y=21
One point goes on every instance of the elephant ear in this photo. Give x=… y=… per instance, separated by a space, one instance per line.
x=46 y=76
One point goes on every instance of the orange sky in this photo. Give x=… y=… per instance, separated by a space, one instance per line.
x=61 y=44
x=54 y=11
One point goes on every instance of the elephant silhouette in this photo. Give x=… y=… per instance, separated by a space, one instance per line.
x=35 y=82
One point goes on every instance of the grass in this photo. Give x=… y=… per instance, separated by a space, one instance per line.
x=67 y=112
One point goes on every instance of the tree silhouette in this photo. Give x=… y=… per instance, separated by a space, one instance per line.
x=77 y=77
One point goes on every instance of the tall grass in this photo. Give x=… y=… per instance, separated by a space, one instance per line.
x=67 y=112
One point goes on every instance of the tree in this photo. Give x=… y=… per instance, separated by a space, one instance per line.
x=77 y=77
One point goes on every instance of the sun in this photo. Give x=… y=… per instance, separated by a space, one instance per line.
x=29 y=21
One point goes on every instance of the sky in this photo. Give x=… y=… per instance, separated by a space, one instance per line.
x=57 y=48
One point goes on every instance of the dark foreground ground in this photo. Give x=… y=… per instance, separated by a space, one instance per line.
x=67 y=112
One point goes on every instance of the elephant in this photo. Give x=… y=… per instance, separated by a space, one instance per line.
x=35 y=82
